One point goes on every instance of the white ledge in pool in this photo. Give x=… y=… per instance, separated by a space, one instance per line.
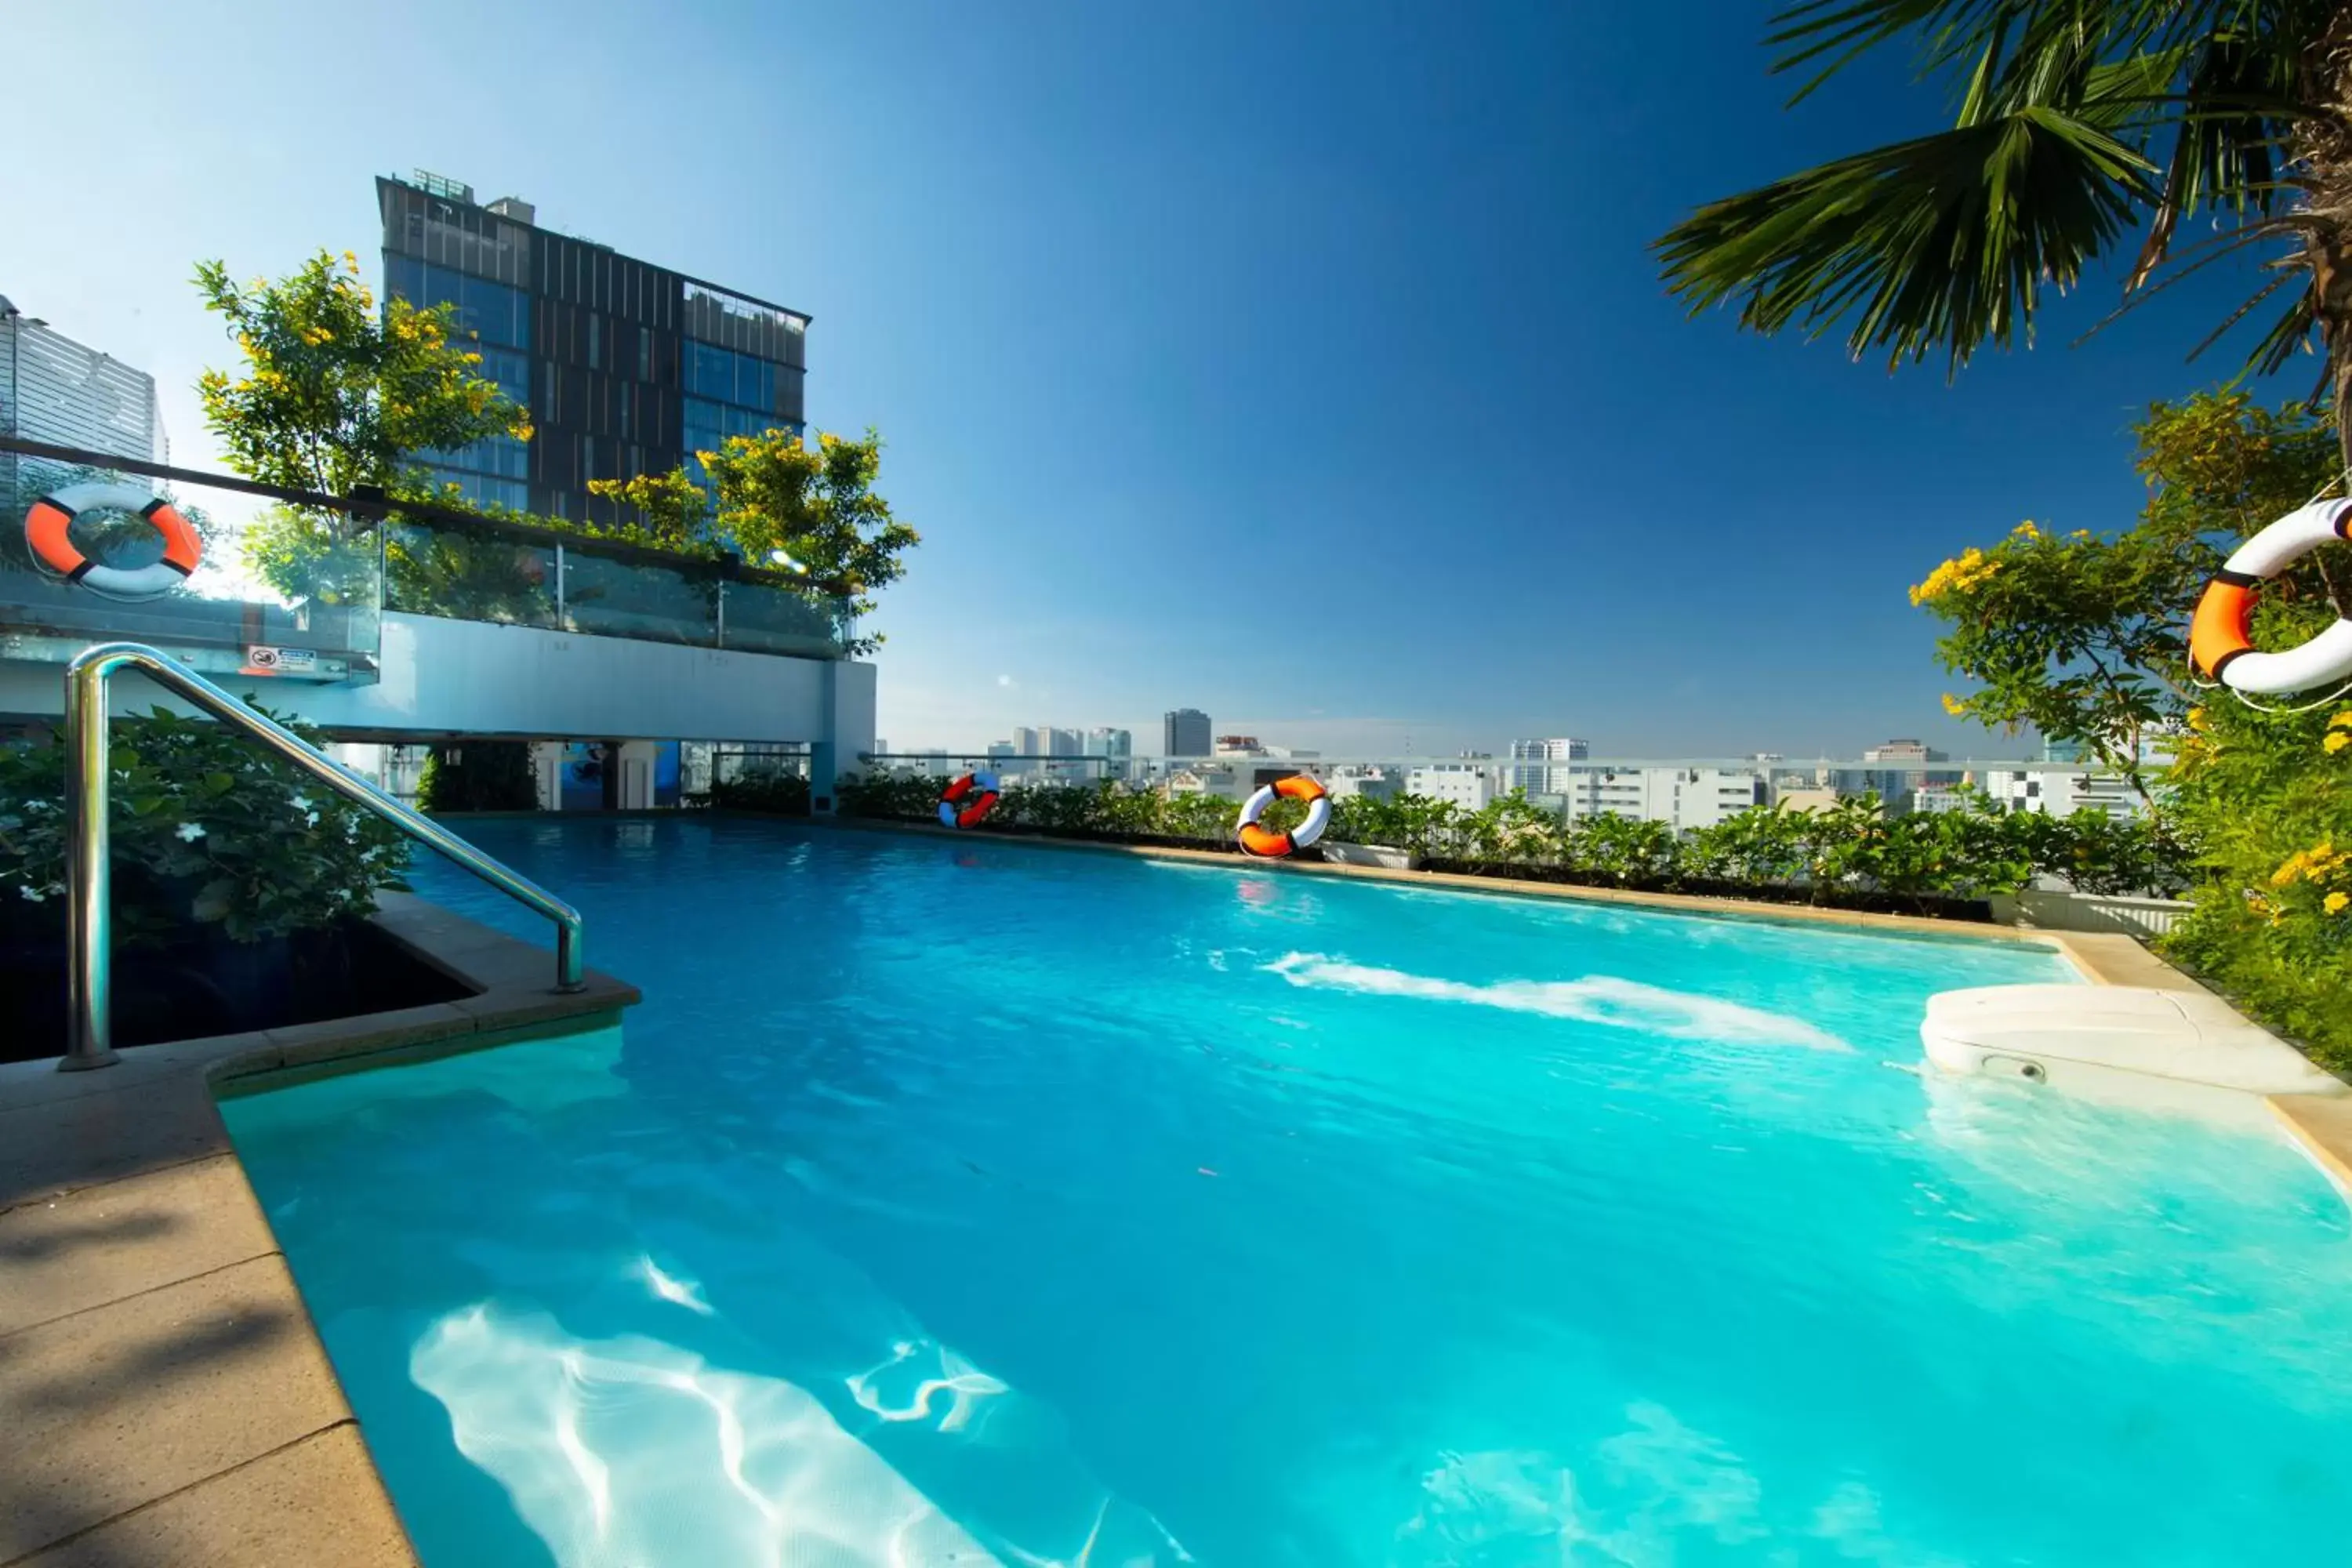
x=2180 y=1050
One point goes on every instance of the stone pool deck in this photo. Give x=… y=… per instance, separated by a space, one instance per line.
x=165 y=1399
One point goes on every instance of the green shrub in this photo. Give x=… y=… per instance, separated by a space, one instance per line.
x=771 y=790
x=208 y=830
x=2269 y=798
x=1854 y=848
x=479 y=775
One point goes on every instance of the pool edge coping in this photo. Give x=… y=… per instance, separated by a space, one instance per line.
x=140 y=1242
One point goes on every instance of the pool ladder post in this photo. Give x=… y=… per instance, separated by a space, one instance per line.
x=89 y=904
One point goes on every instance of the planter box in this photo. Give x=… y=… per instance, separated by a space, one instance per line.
x=2112 y=913
x=1369 y=855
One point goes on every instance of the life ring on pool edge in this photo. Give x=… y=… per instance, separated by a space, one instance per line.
x=1257 y=840
x=48 y=523
x=2218 y=641
x=968 y=800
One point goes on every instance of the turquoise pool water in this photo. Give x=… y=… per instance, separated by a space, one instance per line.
x=957 y=1203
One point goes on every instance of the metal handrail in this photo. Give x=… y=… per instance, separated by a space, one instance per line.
x=88 y=907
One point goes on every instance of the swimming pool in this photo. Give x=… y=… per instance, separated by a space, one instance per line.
x=964 y=1201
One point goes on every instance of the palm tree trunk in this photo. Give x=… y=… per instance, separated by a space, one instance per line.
x=2324 y=151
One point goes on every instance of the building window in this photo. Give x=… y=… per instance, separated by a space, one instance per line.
x=729 y=377
x=644 y=353
x=492 y=312
x=594 y=337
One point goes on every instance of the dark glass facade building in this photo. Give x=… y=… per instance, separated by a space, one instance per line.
x=627 y=368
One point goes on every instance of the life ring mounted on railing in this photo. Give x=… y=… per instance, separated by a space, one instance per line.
x=48 y=524
x=968 y=800
x=2219 y=642
x=1257 y=840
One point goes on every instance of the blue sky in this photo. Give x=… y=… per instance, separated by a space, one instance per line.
x=1307 y=365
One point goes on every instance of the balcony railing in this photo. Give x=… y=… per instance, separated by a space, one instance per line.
x=314 y=579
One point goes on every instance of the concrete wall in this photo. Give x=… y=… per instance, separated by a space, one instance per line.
x=445 y=677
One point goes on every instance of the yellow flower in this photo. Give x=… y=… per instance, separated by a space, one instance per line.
x=2290 y=868
x=2342 y=720
x=2334 y=903
x=1954 y=706
x=350 y=261
x=2025 y=530
x=2336 y=740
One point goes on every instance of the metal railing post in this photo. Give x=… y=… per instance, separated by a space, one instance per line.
x=90 y=945
x=89 y=918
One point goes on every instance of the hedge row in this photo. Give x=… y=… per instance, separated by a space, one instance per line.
x=1852 y=854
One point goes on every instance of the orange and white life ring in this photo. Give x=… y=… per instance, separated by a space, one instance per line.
x=2219 y=643
x=1257 y=840
x=966 y=801
x=48 y=523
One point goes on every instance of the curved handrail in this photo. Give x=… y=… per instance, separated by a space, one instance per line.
x=88 y=907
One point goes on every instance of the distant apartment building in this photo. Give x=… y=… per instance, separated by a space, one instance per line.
x=1686 y=798
x=1185 y=733
x=1468 y=785
x=1237 y=746
x=1897 y=770
x=627 y=367
x=1526 y=756
x=62 y=393
x=1371 y=783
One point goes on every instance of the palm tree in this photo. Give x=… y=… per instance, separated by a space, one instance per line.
x=2084 y=126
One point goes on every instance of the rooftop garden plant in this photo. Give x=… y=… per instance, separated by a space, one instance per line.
x=209 y=834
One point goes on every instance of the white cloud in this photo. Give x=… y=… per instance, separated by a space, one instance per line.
x=1007 y=681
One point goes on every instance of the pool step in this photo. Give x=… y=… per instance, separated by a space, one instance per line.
x=2163 y=1050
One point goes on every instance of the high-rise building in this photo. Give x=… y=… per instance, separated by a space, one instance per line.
x=55 y=390
x=1028 y=740
x=1115 y=747
x=1186 y=733
x=1545 y=779
x=627 y=368
x=1900 y=773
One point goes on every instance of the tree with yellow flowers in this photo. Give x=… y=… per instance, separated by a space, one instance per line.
x=2083 y=636
x=810 y=507
x=335 y=392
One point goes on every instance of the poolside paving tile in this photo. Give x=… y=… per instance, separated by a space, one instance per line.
x=56 y=1147
x=317 y=1504
x=123 y=1405
x=40 y=1083
x=97 y=1245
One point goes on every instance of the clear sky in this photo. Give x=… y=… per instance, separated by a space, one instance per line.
x=1306 y=365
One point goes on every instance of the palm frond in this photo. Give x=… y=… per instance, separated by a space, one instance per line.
x=2287 y=335
x=1945 y=239
x=2224 y=154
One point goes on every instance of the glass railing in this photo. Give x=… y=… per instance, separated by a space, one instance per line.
x=79 y=563
x=291 y=583
x=485 y=569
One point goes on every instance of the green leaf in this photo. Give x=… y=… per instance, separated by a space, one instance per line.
x=213 y=900
x=219 y=783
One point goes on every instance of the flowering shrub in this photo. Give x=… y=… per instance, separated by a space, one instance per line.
x=208 y=831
